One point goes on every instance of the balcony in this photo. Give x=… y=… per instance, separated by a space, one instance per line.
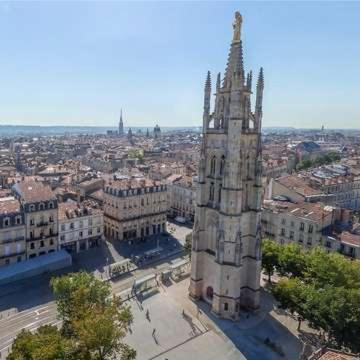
x=42 y=237
x=7 y=241
x=42 y=223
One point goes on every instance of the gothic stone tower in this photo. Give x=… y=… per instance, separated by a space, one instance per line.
x=226 y=245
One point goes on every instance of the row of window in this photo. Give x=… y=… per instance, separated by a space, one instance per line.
x=292 y=236
x=31 y=256
x=7 y=221
x=133 y=192
x=343 y=187
x=301 y=227
x=81 y=224
x=42 y=206
x=7 y=249
x=41 y=244
x=90 y=232
x=42 y=221
x=42 y=233
x=134 y=204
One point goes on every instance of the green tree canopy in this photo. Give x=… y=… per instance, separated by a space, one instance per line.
x=270 y=256
x=323 y=288
x=94 y=324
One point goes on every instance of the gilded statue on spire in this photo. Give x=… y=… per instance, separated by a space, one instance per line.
x=237 y=27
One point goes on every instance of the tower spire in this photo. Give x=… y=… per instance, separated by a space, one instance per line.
x=218 y=81
x=259 y=94
x=121 y=124
x=207 y=95
x=239 y=66
x=249 y=80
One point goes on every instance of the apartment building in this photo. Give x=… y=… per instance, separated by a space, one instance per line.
x=134 y=208
x=310 y=225
x=40 y=208
x=182 y=198
x=12 y=232
x=81 y=226
x=333 y=185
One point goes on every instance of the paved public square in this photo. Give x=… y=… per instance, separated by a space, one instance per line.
x=200 y=335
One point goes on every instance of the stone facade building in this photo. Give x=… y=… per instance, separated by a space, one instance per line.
x=226 y=246
x=12 y=232
x=182 y=198
x=80 y=226
x=134 y=209
x=311 y=225
x=40 y=207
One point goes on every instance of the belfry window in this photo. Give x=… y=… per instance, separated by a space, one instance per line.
x=222 y=165
x=213 y=165
x=211 y=195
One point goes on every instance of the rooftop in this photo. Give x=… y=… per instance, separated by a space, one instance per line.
x=298 y=184
x=313 y=211
x=32 y=191
x=349 y=238
x=70 y=210
x=9 y=205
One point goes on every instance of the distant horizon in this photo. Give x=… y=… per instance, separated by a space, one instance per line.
x=150 y=127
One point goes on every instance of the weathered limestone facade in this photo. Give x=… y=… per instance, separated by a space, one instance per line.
x=40 y=207
x=134 y=209
x=12 y=232
x=226 y=247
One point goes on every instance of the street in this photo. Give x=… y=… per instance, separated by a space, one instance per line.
x=30 y=304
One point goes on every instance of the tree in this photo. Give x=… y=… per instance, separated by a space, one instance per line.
x=324 y=289
x=98 y=334
x=45 y=344
x=188 y=244
x=270 y=256
x=291 y=294
x=291 y=260
x=76 y=293
x=94 y=324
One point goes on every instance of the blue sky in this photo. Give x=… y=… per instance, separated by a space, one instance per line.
x=78 y=63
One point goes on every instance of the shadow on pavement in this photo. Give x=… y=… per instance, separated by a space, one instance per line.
x=258 y=335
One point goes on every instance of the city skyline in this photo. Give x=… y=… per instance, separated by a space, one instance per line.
x=79 y=63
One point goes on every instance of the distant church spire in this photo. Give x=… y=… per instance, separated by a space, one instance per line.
x=121 y=124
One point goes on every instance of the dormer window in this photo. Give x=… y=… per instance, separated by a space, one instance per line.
x=51 y=205
x=6 y=222
x=32 y=207
x=42 y=206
